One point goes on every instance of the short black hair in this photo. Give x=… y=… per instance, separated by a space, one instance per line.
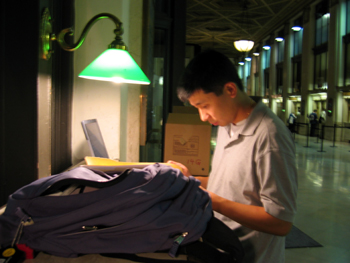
x=209 y=71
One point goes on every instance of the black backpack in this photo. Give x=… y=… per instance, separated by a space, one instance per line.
x=85 y=211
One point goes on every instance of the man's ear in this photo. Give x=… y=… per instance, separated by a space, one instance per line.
x=231 y=89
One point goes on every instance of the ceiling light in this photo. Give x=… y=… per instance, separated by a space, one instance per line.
x=266 y=47
x=279 y=39
x=114 y=64
x=256 y=54
x=244 y=45
x=296 y=28
x=248 y=59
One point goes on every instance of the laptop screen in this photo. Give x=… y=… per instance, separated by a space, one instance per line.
x=94 y=137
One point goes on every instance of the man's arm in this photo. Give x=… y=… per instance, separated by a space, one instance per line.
x=202 y=179
x=254 y=217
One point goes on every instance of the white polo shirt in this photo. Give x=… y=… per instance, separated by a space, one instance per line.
x=254 y=164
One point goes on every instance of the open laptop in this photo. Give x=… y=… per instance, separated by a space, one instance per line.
x=98 y=149
x=94 y=138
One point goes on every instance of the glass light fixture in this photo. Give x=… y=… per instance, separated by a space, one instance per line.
x=248 y=59
x=296 y=28
x=266 y=47
x=279 y=39
x=244 y=45
x=114 y=64
x=256 y=54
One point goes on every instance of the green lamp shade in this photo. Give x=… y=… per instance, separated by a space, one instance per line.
x=115 y=65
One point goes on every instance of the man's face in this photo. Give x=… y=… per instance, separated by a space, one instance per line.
x=217 y=110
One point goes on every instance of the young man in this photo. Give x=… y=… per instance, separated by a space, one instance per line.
x=253 y=179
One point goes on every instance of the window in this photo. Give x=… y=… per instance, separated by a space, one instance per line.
x=322 y=23
x=256 y=67
x=247 y=68
x=347 y=46
x=347 y=62
x=296 y=77
x=321 y=46
x=280 y=45
x=266 y=58
x=279 y=64
x=297 y=42
x=256 y=83
x=321 y=65
x=240 y=71
x=266 y=82
x=347 y=17
x=279 y=78
x=266 y=66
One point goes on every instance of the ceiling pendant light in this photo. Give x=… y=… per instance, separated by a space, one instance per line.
x=244 y=45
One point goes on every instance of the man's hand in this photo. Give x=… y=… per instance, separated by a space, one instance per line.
x=254 y=217
x=183 y=167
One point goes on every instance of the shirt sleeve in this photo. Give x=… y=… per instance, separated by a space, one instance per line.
x=277 y=173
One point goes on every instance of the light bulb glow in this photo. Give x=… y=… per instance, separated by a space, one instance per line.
x=244 y=45
x=296 y=28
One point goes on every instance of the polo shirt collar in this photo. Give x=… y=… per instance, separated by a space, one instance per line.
x=252 y=122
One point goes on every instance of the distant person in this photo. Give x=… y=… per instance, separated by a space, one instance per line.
x=323 y=116
x=291 y=122
x=298 y=112
x=313 y=122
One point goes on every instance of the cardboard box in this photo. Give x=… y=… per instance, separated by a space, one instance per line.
x=185 y=109
x=187 y=140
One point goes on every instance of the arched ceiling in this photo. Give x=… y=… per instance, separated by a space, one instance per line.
x=218 y=23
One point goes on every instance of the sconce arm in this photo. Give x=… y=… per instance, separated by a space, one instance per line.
x=118 y=31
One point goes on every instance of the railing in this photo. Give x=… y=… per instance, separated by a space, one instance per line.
x=320 y=135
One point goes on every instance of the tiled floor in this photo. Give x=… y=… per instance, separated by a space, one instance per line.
x=323 y=205
x=323 y=201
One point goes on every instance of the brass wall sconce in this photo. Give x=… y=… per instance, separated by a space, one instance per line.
x=114 y=64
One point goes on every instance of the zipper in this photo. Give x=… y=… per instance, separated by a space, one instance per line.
x=26 y=220
x=176 y=244
x=89 y=228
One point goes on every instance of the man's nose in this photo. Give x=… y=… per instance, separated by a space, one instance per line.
x=203 y=115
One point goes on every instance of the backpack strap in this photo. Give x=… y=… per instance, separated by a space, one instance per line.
x=219 y=244
x=144 y=259
x=62 y=184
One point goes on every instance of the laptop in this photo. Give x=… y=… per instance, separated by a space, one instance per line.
x=94 y=138
x=98 y=150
